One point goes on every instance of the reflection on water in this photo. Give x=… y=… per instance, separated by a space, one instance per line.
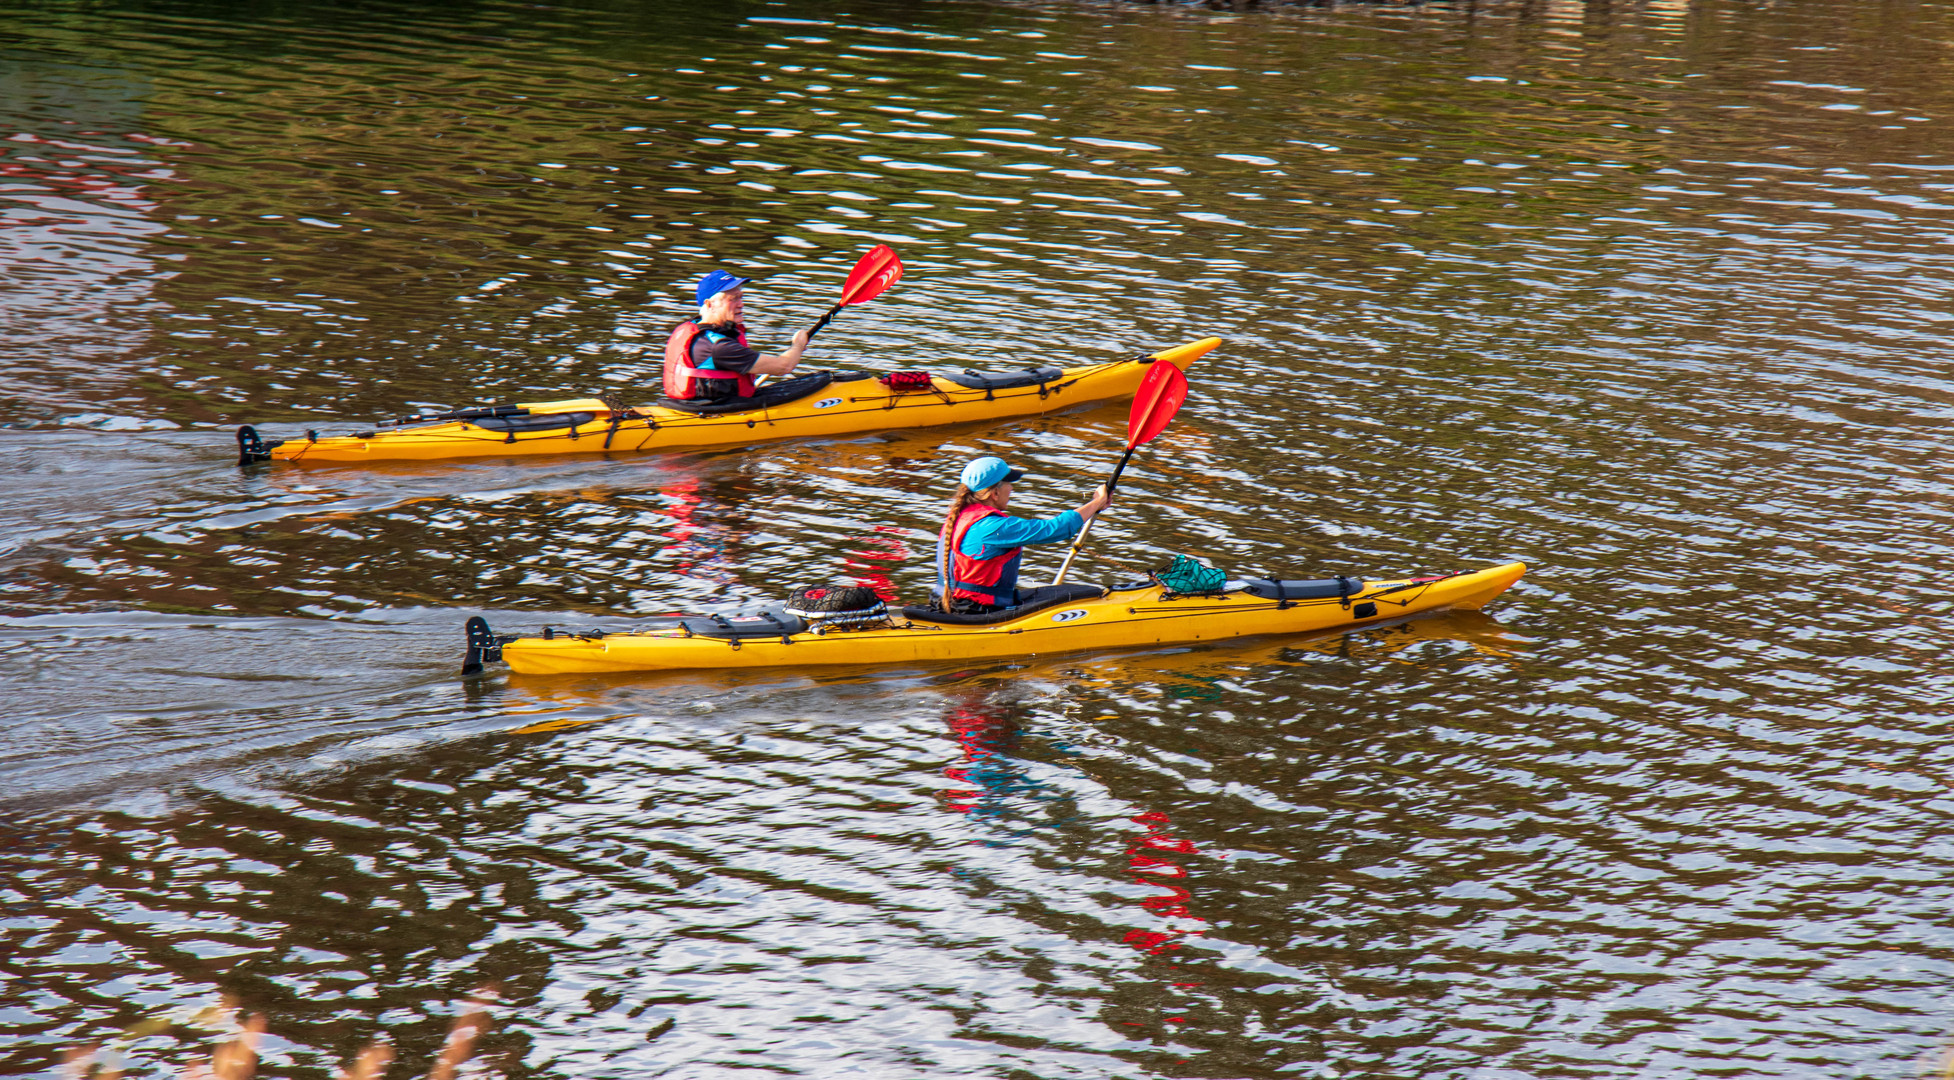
x=1647 y=295
x=78 y=198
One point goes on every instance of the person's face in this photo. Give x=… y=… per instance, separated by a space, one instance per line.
x=1001 y=495
x=729 y=306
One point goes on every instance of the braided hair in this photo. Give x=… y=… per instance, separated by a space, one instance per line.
x=960 y=502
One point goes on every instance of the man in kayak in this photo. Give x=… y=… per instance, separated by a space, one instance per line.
x=985 y=545
x=709 y=360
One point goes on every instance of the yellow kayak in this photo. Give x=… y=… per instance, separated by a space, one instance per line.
x=1059 y=618
x=812 y=406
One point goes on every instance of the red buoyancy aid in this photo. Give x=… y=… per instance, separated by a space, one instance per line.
x=976 y=579
x=679 y=372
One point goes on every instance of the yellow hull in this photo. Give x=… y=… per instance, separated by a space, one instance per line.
x=846 y=408
x=1124 y=618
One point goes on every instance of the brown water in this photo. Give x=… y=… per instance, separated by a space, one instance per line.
x=1649 y=295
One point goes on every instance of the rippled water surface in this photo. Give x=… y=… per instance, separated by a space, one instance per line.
x=1649 y=295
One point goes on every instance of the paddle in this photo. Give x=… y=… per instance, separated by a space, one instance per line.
x=872 y=276
x=1154 y=405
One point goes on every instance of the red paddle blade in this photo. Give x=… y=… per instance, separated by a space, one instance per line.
x=1155 y=403
x=878 y=270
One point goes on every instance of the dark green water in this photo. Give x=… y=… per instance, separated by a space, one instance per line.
x=1649 y=295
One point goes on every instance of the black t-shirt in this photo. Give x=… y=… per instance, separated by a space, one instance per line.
x=721 y=345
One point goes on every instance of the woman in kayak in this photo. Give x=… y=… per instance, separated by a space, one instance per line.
x=984 y=544
x=709 y=359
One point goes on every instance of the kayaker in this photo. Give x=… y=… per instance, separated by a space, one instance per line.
x=986 y=544
x=709 y=359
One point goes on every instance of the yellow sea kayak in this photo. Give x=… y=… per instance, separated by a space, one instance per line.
x=813 y=406
x=1060 y=618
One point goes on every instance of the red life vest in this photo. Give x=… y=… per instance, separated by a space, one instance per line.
x=976 y=579
x=681 y=376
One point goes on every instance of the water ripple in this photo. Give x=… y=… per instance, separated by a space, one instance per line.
x=1648 y=298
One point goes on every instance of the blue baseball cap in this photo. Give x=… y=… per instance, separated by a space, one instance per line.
x=989 y=472
x=718 y=282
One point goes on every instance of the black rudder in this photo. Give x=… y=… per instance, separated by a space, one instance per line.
x=251 y=448
x=482 y=647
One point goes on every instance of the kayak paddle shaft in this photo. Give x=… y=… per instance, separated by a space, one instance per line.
x=825 y=320
x=1159 y=397
x=872 y=276
x=1077 y=541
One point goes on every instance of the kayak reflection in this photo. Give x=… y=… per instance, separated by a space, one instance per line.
x=1196 y=670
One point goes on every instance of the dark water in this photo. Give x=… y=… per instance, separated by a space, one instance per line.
x=1651 y=295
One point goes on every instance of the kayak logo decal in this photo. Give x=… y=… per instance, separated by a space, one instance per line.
x=1068 y=616
x=827 y=403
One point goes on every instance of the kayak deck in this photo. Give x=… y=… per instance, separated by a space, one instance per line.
x=1117 y=618
x=845 y=407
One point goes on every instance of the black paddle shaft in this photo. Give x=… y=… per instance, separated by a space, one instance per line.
x=825 y=320
x=1073 y=552
x=1118 y=469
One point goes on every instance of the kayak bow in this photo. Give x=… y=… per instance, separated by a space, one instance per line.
x=847 y=406
x=1070 y=618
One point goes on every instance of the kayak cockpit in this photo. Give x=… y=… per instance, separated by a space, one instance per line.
x=793 y=389
x=771 y=396
x=1030 y=601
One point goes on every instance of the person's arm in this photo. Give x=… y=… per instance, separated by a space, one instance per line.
x=1009 y=532
x=781 y=364
x=998 y=533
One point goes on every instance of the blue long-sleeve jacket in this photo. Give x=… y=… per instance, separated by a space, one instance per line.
x=993 y=535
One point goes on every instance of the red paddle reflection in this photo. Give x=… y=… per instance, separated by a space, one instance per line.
x=871 y=561
x=1146 y=863
x=697 y=549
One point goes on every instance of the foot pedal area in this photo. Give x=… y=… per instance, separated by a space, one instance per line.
x=483 y=647
x=252 y=449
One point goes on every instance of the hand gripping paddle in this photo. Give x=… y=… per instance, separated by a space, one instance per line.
x=1154 y=405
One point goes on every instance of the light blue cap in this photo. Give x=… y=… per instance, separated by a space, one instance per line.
x=989 y=472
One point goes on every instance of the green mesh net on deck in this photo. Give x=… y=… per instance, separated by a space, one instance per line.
x=1187 y=575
